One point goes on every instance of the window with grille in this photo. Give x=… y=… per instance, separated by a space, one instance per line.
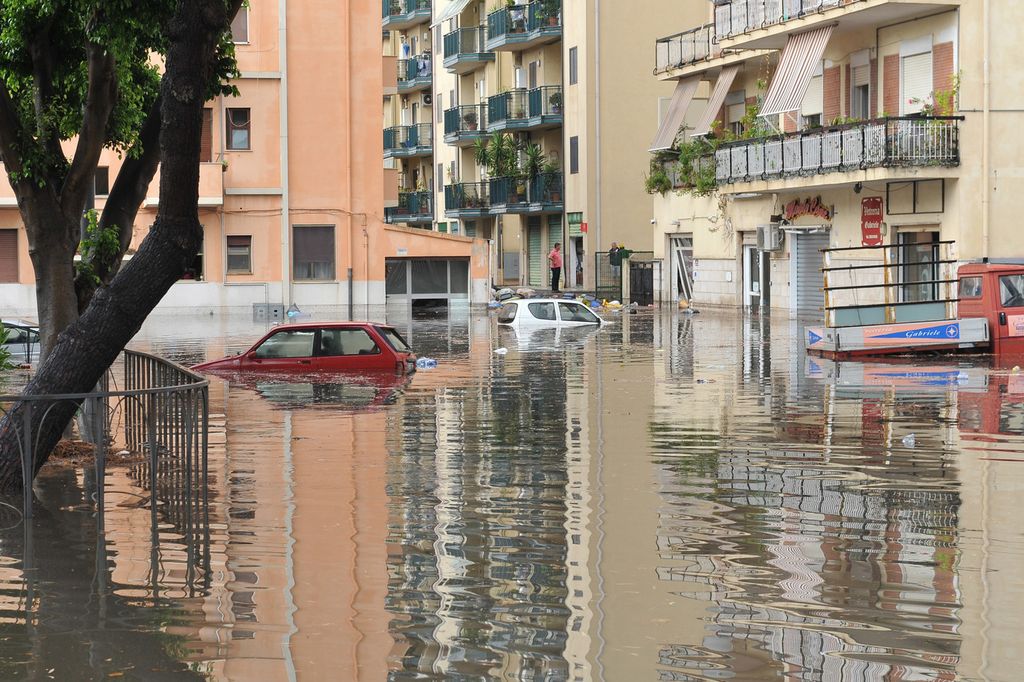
x=238 y=124
x=239 y=248
x=313 y=252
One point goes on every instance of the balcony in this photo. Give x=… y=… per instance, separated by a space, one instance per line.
x=406 y=142
x=522 y=109
x=464 y=50
x=684 y=49
x=521 y=27
x=465 y=125
x=467 y=199
x=399 y=15
x=413 y=207
x=541 y=194
x=414 y=74
x=881 y=143
x=754 y=20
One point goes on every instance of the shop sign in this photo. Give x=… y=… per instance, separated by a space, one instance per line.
x=809 y=207
x=871 y=221
x=583 y=227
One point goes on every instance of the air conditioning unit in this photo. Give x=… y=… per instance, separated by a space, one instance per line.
x=770 y=237
x=428 y=99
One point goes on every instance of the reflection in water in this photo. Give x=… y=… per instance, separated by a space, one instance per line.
x=671 y=497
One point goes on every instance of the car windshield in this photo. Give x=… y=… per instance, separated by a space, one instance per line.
x=394 y=339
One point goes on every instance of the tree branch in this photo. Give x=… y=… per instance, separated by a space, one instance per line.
x=42 y=51
x=99 y=103
x=10 y=133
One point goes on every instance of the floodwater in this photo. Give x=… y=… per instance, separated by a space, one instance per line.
x=671 y=497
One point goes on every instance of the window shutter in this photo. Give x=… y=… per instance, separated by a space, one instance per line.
x=916 y=82
x=814 y=98
x=8 y=255
x=206 y=137
x=861 y=75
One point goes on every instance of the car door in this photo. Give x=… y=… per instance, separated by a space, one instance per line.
x=285 y=350
x=352 y=349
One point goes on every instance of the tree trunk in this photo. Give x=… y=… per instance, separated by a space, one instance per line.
x=52 y=244
x=89 y=346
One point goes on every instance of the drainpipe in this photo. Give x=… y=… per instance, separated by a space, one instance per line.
x=286 y=261
x=598 y=247
x=348 y=178
x=986 y=160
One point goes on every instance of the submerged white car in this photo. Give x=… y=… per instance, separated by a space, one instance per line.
x=22 y=341
x=547 y=312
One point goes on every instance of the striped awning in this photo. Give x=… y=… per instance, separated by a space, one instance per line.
x=453 y=10
x=797 y=65
x=681 y=99
x=725 y=79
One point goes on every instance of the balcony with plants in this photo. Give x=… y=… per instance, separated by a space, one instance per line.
x=518 y=27
x=413 y=207
x=464 y=125
x=405 y=142
x=523 y=180
x=399 y=15
x=522 y=109
x=467 y=199
x=414 y=74
x=465 y=51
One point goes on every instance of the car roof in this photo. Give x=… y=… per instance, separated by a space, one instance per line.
x=545 y=300
x=320 y=325
x=18 y=323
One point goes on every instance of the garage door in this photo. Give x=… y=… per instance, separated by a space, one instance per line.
x=8 y=255
x=810 y=299
x=536 y=253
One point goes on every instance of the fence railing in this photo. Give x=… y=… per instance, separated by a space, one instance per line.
x=465 y=118
x=410 y=205
x=545 y=101
x=400 y=8
x=414 y=68
x=464 y=41
x=510 y=105
x=544 y=188
x=524 y=18
x=924 y=141
x=683 y=48
x=741 y=16
x=467 y=195
x=400 y=138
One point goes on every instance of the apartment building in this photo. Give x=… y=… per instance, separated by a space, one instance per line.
x=291 y=181
x=521 y=123
x=798 y=125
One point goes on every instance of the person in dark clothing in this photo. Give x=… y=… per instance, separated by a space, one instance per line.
x=615 y=260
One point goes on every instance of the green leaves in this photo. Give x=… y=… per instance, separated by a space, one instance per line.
x=99 y=245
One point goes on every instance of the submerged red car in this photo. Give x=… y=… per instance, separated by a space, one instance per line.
x=322 y=347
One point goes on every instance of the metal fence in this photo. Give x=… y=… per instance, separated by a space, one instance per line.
x=740 y=16
x=613 y=283
x=683 y=48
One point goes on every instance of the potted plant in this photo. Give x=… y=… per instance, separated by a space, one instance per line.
x=394 y=7
x=556 y=102
x=551 y=170
x=470 y=119
x=548 y=11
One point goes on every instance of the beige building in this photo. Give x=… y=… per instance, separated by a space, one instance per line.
x=836 y=123
x=290 y=181
x=560 y=76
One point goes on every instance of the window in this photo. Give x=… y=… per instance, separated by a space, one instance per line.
x=574 y=312
x=395 y=339
x=919 y=255
x=860 y=91
x=8 y=255
x=574 y=155
x=334 y=342
x=970 y=287
x=812 y=121
x=206 y=137
x=101 y=181
x=440 y=109
x=440 y=174
x=543 y=311
x=573 y=66
x=290 y=344
x=239 y=255
x=238 y=122
x=313 y=252
x=915 y=82
x=508 y=312
x=240 y=26
x=1011 y=291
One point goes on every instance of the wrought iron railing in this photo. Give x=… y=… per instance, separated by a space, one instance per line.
x=410 y=205
x=467 y=196
x=923 y=141
x=546 y=188
x=400 y=138
x=510 y=105
x=401 y=8
x=545 y=101
x=683 y=48
x=524 y=18
x=414 y=68
x=465 y=118
x=741 y=16
x=464 y=41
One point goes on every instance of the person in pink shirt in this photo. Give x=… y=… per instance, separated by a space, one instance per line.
x=555 y=261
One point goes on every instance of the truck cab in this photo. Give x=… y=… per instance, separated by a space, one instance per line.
x=995 y=291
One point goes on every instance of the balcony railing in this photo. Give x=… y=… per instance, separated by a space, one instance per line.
x=471 y=196
x=741 y=16
x=508 y=106
x=468 y=118
x=404 y=9
x=683 y=49
x=412 y=206
x=464 y=41
x=928 y=141
x=406 y=139
x=413 y=71
x=546 y=188
x=545 y=101
x=524 y=19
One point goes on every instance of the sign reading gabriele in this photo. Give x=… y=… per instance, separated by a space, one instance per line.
x=871 y=221
x=812 y=207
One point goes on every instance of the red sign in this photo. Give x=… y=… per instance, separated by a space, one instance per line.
x=871 y=221
x=583 y=227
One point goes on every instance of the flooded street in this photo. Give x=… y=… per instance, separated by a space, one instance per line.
x=671 y=497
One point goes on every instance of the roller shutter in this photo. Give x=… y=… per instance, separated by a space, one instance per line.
x=8 y=255
x=535 y=253
x=916 y=81
x=810 y=299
